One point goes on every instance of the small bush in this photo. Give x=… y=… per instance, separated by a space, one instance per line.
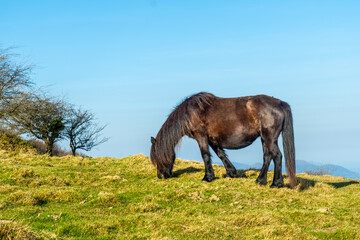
x=319 y=172
x=40 y=146
x=13 y=143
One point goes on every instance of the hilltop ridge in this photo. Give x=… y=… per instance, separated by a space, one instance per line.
x=306 y=167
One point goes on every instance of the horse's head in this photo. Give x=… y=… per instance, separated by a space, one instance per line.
x=162 y=159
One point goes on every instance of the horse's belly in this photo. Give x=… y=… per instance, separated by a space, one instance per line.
x=237 y=142
x=238 y=138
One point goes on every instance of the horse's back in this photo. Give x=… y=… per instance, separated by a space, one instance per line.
x=236 y=122
x=230 y=123
x=247 y=110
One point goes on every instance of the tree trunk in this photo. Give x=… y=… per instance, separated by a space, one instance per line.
x=49 y=145
x=73 y=150
x=72 y=146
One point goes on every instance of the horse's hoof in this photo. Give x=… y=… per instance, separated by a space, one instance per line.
x=207 y=180
x=261 y=182
x=277 y=185
x=230 y=176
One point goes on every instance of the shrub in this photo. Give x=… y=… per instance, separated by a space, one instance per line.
x=13 y=143
x=319 y=171
x=57 y=150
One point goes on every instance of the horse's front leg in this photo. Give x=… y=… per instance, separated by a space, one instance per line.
x=230 y=169
x=205 y=153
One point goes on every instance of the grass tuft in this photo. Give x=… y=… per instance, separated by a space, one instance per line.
x=12 y=230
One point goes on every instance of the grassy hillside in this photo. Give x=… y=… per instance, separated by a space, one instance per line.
x=108 y=198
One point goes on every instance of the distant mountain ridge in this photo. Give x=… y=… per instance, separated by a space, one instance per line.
x=304 y=166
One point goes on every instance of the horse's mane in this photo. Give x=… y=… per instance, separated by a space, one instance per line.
x=176 y=126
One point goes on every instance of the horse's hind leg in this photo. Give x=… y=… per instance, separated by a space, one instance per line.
x=271 y=151
x=230 y=169
x=262 y=178
x=277 y=156
x=205 y=153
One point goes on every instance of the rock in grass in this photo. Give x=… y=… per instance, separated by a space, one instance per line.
x=115 y=177
x=325 y=210
x=195 y=196
x=55 y=217
x=214 y=198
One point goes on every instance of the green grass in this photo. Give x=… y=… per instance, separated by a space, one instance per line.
x=45 y=197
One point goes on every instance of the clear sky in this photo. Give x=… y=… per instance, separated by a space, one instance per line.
x=131 y=62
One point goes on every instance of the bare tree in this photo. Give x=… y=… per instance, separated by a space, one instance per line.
x=82 y=131
x=36 y=114
x=14 y=78
x=39 y=116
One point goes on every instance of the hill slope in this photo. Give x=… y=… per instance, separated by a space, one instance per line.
x=108 y=198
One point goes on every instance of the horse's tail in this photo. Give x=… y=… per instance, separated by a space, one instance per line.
x=288 y=144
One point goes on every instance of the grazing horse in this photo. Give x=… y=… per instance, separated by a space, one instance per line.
x=230 y=123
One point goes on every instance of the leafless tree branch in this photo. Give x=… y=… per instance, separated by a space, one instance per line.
x=82 y=131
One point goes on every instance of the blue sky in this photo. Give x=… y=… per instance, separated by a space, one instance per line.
x=131 y=62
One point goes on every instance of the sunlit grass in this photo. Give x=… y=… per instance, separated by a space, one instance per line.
x=108 y=198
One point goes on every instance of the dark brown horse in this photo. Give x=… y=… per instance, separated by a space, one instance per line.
x=231 y=123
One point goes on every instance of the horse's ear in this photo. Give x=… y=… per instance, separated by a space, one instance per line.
x=153 y=140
